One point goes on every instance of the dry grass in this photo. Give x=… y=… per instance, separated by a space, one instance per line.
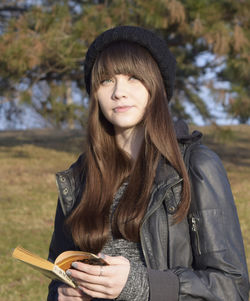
x=28 y=195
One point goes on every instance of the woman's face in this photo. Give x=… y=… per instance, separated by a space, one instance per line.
x=123 y=100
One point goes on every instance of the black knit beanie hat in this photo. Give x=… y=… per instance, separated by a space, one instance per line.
x=153 y=43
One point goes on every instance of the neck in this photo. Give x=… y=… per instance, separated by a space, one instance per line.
x=130 y=140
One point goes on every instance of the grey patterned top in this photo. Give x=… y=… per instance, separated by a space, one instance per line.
x=137 y=286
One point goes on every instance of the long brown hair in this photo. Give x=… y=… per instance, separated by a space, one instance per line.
x=107 y=165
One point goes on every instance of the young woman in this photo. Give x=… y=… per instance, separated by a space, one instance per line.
x=145 y=195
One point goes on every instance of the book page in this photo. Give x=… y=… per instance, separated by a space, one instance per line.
x=65 y=259
x=31 y=259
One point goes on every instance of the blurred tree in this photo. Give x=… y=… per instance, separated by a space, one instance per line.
x=43 y=47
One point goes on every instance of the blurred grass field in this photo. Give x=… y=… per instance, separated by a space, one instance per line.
x=28 y=195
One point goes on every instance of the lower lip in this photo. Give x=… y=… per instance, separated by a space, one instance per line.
x=122 y=109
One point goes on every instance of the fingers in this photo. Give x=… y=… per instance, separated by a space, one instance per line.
x=88 y=274
x=100 y=295
x=94 y=270
x=97 y=270
x=69 y=291
x=66 y=293
x=88 y=280
x=101 y=281
x=95 y=273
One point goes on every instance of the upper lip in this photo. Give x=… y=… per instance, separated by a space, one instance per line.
x=122 y=106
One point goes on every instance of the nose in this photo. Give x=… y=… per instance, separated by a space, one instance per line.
x=119 y=90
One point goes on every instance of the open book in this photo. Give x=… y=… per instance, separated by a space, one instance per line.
x=57 y=270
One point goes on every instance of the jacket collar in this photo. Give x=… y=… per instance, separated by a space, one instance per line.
x=182 y=133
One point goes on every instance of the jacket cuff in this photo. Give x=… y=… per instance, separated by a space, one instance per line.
x=164 y=285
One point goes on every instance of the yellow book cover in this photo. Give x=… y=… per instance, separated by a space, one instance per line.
x=56 y=270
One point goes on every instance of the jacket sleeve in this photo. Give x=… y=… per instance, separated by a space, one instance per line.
x=61 y=241
x=219 y=270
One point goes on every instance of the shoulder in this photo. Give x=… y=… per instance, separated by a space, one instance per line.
x=202 y=156
x=75 y=169
x=78 y=163
x=70 y=183
x=208 y=178
x=204 y=161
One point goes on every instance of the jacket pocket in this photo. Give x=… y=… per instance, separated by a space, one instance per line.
x=207 y=231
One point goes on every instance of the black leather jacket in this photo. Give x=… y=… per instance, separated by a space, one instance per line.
x=200 y=258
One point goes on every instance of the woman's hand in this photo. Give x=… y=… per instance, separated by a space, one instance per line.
x=104 y=282
x=67 y=293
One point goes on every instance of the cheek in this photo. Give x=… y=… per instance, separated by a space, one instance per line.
x=104 y=110
x=144 y=101
x=102 y=105
x=103 y=100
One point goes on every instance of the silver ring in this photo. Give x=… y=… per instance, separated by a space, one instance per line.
x=101 y=271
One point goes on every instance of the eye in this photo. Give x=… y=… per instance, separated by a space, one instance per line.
x=133 y=77
x=106 y=81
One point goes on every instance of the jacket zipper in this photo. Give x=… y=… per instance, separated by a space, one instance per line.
x=151 y=212
x=194 y=228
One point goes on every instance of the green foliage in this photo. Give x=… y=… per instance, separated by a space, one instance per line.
x=43 y=40
x=49 y=43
